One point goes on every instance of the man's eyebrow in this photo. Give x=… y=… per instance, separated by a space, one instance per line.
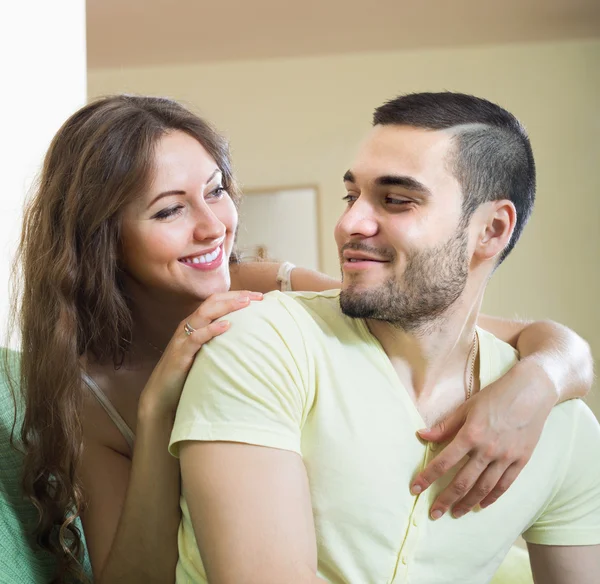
x=392 y=180
x=178 y=192
x=407 y=182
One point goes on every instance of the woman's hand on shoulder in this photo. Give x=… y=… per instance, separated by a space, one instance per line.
x=498 y=430
x=163 y=389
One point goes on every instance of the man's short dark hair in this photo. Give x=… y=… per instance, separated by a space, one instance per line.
x=492 y=160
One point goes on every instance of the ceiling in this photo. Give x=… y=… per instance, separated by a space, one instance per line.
x=129 y=33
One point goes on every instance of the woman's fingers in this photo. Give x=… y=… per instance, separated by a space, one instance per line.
x=206 y=333
x=166 y=382
x=442 y=431
x=507 y=479
x=484 y=486
x=219 y=305
x=498 y=429
x=460 y=485
x=447 y=428
x=203 y=325
x=440 y=465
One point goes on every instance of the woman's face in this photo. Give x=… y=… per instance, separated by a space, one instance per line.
x=178 y=236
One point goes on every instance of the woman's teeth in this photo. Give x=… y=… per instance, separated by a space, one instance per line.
x=203 y=259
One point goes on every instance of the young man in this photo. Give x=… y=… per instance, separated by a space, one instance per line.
x=297 y=429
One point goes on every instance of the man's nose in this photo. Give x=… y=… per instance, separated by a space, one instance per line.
x=359 y=220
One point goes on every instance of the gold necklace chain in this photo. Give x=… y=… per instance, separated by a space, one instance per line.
x=472 y=358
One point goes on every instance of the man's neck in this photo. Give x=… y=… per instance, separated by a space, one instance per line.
x=433 y=360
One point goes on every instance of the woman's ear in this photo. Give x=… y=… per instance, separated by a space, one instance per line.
x=497 y=229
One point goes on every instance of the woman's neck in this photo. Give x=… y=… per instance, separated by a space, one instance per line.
x=156 y=317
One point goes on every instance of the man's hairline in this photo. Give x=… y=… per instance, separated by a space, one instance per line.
x=454 y=132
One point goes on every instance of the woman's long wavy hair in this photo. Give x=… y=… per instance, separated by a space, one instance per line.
x=71 y=301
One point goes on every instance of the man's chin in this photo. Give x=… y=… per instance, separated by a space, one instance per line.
x=354 y=304
x=360 y=285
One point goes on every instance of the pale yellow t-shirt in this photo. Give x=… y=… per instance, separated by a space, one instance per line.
x=294 y=373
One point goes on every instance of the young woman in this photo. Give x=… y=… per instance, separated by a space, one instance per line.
x=127 y=258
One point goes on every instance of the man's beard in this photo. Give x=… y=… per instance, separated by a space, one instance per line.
x=432 y=282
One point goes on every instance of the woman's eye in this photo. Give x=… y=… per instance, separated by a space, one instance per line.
x=349 y=198
x=217 y=193
x=168 y=213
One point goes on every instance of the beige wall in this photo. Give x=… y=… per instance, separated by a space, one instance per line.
x=297 y=121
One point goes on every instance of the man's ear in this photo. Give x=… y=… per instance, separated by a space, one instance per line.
x=498 y=225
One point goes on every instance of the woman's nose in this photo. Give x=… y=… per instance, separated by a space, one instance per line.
x=208 y=226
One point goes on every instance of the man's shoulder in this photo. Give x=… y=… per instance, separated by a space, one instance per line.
x=281 y=306
x=285 y=313
x=324 y=304
x=496 y=345
x=575 y=415
x=496 y=357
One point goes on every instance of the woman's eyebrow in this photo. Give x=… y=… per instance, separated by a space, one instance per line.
x=179 y=192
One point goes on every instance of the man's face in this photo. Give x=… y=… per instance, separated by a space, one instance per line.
x=403 y=249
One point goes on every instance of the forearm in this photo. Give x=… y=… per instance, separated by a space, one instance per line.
x=564 y=564
x=262 y=277
x=311 y=281
x=563 y=357
x=145 y=546
x=255 y=276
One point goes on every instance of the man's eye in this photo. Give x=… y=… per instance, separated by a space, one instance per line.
x=394 y=201
x=169 y=212
x=349 y=198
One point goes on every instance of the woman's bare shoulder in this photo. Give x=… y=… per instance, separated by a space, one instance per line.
x=119 y=388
